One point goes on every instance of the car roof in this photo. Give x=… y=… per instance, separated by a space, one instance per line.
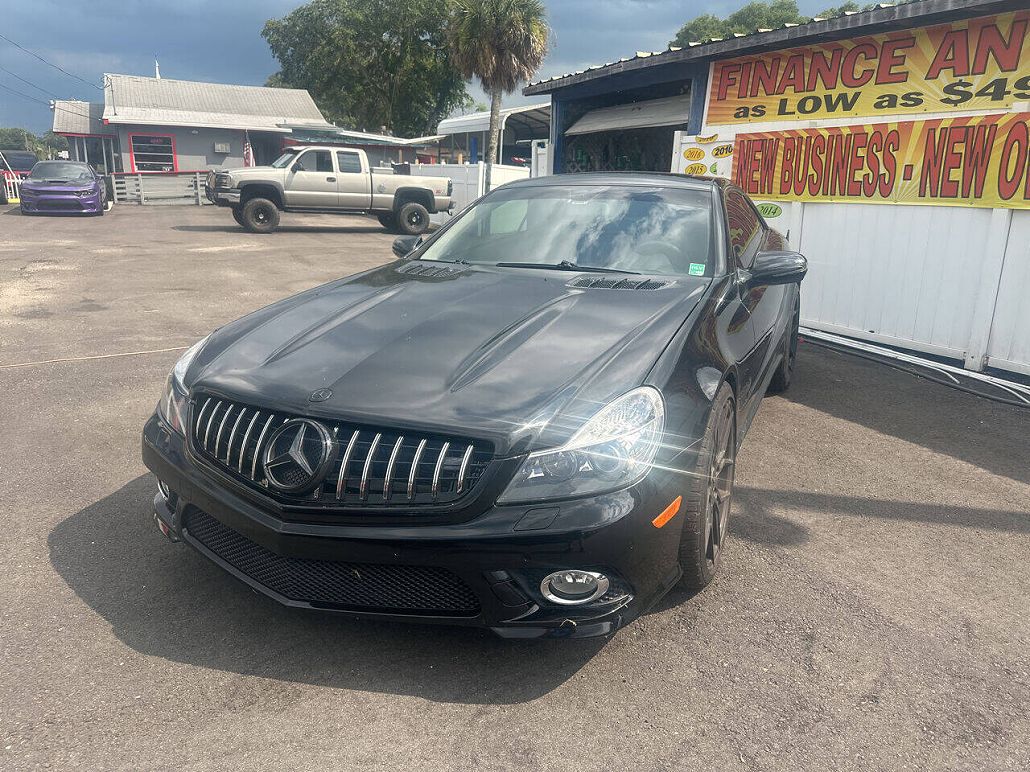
x=642 y=179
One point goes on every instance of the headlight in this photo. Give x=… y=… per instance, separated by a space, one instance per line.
x=612 y=450
x=172 y=407
x=223 y=180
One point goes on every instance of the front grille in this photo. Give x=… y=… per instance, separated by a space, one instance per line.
x=332 y=584
x=371 y=468
x=58 y=204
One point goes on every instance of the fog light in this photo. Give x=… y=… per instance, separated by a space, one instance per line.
x=574 y=587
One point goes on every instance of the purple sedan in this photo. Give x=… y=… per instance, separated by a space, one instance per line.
x=63 y=186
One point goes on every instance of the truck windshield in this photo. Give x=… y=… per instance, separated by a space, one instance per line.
x=635 y=229
x=285 y=159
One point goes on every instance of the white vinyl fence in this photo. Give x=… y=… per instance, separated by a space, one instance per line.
x=164 y=188
x=468 y=181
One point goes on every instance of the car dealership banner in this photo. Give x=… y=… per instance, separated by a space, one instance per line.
x=981 y=161
x=973 y=64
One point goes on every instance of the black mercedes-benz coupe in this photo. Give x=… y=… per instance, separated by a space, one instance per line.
x=528 y=422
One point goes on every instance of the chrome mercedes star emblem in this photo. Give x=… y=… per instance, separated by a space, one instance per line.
x=298 y=455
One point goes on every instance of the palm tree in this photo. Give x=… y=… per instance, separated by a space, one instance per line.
x=501 y=42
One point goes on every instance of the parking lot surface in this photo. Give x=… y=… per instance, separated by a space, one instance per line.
x=871 y=613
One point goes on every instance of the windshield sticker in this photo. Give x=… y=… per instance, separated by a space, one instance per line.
x=697 y=269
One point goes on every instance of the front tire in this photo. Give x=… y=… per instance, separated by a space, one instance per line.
x=413 y=219
x=260 y=215
x=785 y=371
x=706 y=505
x=237 y=215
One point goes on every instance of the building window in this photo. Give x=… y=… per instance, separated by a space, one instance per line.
x=153 y=153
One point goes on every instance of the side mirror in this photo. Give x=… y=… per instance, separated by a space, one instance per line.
x=777 y=268
x=405 y=245
x=297 y=167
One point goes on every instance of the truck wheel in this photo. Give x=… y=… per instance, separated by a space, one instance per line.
x=388 y=220
x=260 y=215
x=413 y=219
x=237 y=215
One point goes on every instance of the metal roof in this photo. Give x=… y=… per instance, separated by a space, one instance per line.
x=166 y=102
x=477 y=122
x=74 y=117
x=851 y=23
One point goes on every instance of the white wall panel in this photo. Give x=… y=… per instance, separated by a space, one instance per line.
x=1009 y=347
x=903 y=275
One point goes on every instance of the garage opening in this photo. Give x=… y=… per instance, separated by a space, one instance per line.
x=636 y=136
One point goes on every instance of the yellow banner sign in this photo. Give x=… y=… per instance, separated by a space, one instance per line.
x=981 y=161
x=973 y=64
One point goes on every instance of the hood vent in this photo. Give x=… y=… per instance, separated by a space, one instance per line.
x=608 y=282
x=429 y=270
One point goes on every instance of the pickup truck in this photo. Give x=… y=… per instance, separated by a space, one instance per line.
x=327 y=180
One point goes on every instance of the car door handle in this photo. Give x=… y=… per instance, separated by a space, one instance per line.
x=330 y=179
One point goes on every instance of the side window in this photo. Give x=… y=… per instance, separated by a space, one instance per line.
x=744 y=226
x=349 y=162
x=316 y=161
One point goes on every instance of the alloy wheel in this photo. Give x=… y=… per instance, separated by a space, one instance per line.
x=720 y=485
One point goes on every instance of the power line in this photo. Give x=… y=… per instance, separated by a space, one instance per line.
x=56 y=67
x=29 y=83
x=58 y=108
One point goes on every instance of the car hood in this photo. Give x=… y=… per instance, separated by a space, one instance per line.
x=252 y=172
x=515 y=356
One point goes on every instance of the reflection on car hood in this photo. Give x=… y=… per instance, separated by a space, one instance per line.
x=513 y=356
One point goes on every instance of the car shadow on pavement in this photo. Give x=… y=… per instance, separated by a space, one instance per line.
x=980 y=431
x=232 y=227
x=165 y=600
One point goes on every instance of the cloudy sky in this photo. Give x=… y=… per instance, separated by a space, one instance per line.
x=221 y=41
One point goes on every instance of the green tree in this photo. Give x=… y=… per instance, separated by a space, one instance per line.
x=758 y=15
x=372 y=65
x=14 y=138
x=502 y=43
x=755 y=15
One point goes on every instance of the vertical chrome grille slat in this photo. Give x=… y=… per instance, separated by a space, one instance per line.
x=232 y=436
x=210 y=420
x=257 y=448
x=200 y=418
x=389 y=467
x=341 y=480
x=246 y=436
x=414 y=468
x=439 y=466
x=463 y=469
x=363 y=490
x=221 y=428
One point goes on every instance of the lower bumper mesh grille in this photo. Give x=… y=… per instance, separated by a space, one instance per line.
x=361 y=587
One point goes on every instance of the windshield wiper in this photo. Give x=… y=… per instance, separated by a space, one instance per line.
x=566 y=265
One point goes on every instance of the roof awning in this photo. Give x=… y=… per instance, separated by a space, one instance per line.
x=670 y=111
x=535 y=118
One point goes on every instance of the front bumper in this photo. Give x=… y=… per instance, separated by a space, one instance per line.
x=61 y=202
x=222 y=196
x=500 y=555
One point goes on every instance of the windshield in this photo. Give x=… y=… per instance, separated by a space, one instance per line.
x=664 y=231
x=285 y=159
x=60 y=170
x=19 y=161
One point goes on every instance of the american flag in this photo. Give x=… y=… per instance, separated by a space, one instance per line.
x=248 y=151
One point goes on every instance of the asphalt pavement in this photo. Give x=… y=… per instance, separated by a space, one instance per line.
x=872 y=611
